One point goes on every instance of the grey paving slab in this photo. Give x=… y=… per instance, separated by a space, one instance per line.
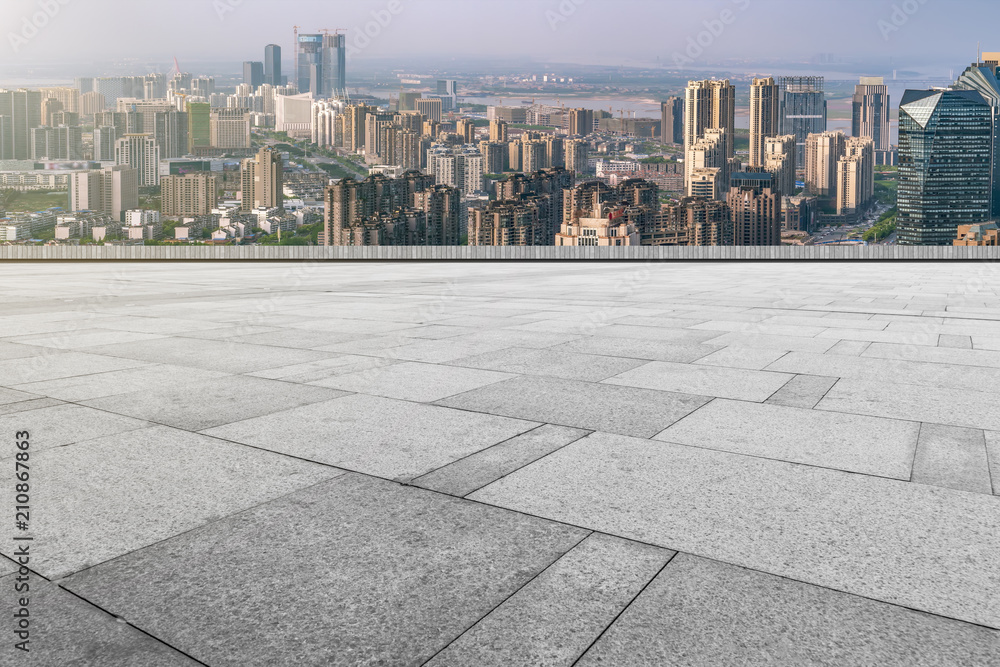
x=742 y=357
x=233 y=332
x=952 y=457
x=313 y=371
x=632 y=348
x=370 y=573
x=936 y=405
x=225 y=356
x=485 y=467
x=8 y=396
x=849 y=348
x=554 y=363
x=960 y=342
x=597 y=407
x=24 y=406
x=867 y=445
x=410 y=381
x=346 y=326
x=16 y=351
x=918 y=546
x=533 y=340
x=145 y=378
x=60 y=425
x=762 y=328
x=436 y=351
x=831 y=321
x=936 y=375
x=554 y=618
x=54 y=365
x=937 y=355
x=736 y=383
x=803 y=391
x=993 y=452
x=76 y=340
x=619 y=331
x=299 y=338
x=919 y=337
x=701 y=612
x=375 y=435
x=159 y=322
x=66 y=630
x=437 y=332
x=108 y=497
x=770 y=342
x=195 y=406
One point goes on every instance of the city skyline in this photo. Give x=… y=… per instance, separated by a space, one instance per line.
x=676 y=33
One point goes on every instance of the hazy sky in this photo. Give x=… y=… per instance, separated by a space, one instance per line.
x=613 y=32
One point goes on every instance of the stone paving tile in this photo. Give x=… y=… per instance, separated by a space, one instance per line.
x=410 y=381
x=597 y=407
x=769 y=342
x=159 y=322
x=918 y=546
x=314 y=371
x=936 y=405
x=832 y=321
x=761 y=328
x=689 y=336
x=701 y=612
x=631 y=348
x=662 y=322
x=195 y=406
x=299 y=338
x=55 y=365
x=16 y=351
x=374 y=435
x=345 y=326
x=536 y=340
x=399 y=572
x=66 y=631
x=554 y=363
x=225 y=356
x=24 y=406
x=439 y=351
x=901 y=338
x=993 y=452
x=741 y=357
x=369 y=345
x=234 y=332
x=803 y=391
x=8 y=396
x=935 y=375
x=110 y=496
x=437 y=332
x=736 y=383
x=937 y=355
x=485 y=467
x=76 y=340
x=960 y=342
x=60 y=425
x=852 y=443
x=954 y=458
x=99 y=385
x=555 y=617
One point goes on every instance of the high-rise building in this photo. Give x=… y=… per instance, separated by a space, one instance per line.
x=189 y=194
x=309 y=59
x=356 y=210
x=431 y=108
x=447 y=87
x=467 y=130
x=756 y=216
x=199 y=126
x=50 y=106
x=92 y=102
x=577 y=155
x=407 y=101
x=944 y=164
x=442 y=206
x=856 y=176
x=494 y=154
x=779 y=161
x=253 y=74
x=498 y=131
x=709 y=105
x=112 y=190
x=519 y=222
x=823 y=150
x=870 y=116
x=581 y=122
x=23 y=108
x=140 y=152
x=170 y=129
x=534 y=157
x=555 y=151
x=263 y=181
x=461 y=168
x=672 y=121
x=334 y=52
x=803 y=110
x=272 y=65
x=707 y=157
x=984 y=77
x=692 y=221
x=57 y=143
x=230 y=128
x=105 y=138
x=764 y=108
x=68 y=97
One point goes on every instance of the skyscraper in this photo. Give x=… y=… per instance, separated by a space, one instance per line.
x=310 y=64
x=779 y=161
x=140 y=152
x=263 y=181
x=672 y=121
x=823 y=150
x=803 y=109
x=983 y=78
x=764 y=107
x=870 y=117
x=944 y=164
x=334 y=52
x=253 y=74
x=856 y=176
x=581 y=122
x=23 y=109
x=272 y=65
x=709 y=105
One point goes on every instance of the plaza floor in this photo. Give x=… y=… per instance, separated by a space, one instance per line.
x=240 y=464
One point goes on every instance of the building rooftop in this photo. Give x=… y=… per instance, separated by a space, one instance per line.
x=506 y=463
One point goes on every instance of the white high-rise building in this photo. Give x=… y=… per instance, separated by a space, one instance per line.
x=140 y=152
